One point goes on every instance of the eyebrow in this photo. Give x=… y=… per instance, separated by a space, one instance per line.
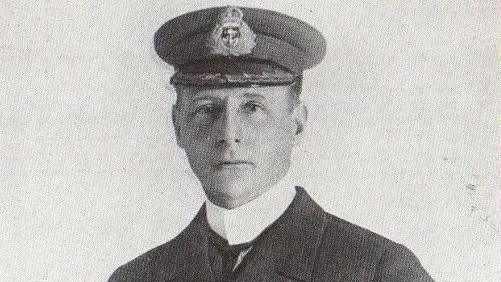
x=254 y=96
x=205 y=97
x=246 y=95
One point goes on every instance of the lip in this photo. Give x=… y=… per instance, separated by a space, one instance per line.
x=232 y=163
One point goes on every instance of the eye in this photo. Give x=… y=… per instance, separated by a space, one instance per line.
x=205 y=109
x=253 y=106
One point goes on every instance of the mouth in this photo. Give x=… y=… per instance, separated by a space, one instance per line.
x=233 y=163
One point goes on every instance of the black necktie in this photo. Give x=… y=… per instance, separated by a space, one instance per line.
x=229 y=253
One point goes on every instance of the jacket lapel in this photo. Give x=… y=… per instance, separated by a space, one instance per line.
x=289 y=245
x=192 y=263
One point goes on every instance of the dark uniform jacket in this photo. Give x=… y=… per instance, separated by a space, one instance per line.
x=304 y=244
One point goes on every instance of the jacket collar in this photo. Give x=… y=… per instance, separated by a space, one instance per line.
x=291 y=243
x=307 y=227
x=298 y=237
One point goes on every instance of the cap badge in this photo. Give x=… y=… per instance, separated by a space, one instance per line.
x=231 y=36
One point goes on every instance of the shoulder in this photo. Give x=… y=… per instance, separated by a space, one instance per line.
x=352 y=236
x=349 y=248
x=147 y=266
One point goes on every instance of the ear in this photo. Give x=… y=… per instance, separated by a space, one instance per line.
x=177 y=126
x=301 y=117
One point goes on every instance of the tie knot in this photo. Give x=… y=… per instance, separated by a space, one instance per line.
x=225 y=248
x=238 y=248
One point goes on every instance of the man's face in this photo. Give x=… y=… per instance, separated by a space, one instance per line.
x=238 y=140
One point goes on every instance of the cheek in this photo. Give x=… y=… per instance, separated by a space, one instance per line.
x=197 y=143
x=196 y=132
x=273 y=137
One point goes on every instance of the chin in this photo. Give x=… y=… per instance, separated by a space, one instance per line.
x=232 y=187
x=229 y=189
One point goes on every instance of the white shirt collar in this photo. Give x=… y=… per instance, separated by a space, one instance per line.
x=243 y=224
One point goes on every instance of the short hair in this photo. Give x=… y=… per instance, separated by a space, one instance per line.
x=296 y=89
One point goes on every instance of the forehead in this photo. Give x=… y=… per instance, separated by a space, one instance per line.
x=271 y=93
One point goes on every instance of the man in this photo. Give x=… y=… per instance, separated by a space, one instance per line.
x=238 y=117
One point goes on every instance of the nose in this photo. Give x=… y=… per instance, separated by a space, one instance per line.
x=228 y=128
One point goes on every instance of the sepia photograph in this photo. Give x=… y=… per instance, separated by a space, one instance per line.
x=250 y=141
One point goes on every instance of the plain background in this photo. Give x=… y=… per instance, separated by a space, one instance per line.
x=402 y=132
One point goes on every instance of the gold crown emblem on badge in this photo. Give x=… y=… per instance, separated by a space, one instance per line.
x=231 y=36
